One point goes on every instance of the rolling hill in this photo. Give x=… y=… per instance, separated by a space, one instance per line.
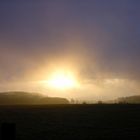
x=130 y=99
x=25 y=98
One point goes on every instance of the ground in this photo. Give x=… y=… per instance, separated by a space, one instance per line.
x=82 y=122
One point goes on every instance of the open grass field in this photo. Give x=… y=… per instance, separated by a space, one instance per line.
x=81 y=122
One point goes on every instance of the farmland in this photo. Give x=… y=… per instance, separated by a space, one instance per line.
x=73 y=121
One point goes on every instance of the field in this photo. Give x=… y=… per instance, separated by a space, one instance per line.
x=81 y=122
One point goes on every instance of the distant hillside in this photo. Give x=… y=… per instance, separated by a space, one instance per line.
x=23 y=98
x=130 y=99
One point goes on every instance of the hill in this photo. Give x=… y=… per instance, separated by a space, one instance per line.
x=23 y=98
x=130 y=99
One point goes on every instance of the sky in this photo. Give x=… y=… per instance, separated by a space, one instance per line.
x=97 y=40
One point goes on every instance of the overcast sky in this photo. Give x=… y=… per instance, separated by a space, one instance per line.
x=98 y=39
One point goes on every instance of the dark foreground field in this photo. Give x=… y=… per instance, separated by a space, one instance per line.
x=83 y=122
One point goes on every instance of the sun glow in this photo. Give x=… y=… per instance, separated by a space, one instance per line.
x=61 y=80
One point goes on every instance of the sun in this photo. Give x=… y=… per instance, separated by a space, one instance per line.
x=61 y=80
